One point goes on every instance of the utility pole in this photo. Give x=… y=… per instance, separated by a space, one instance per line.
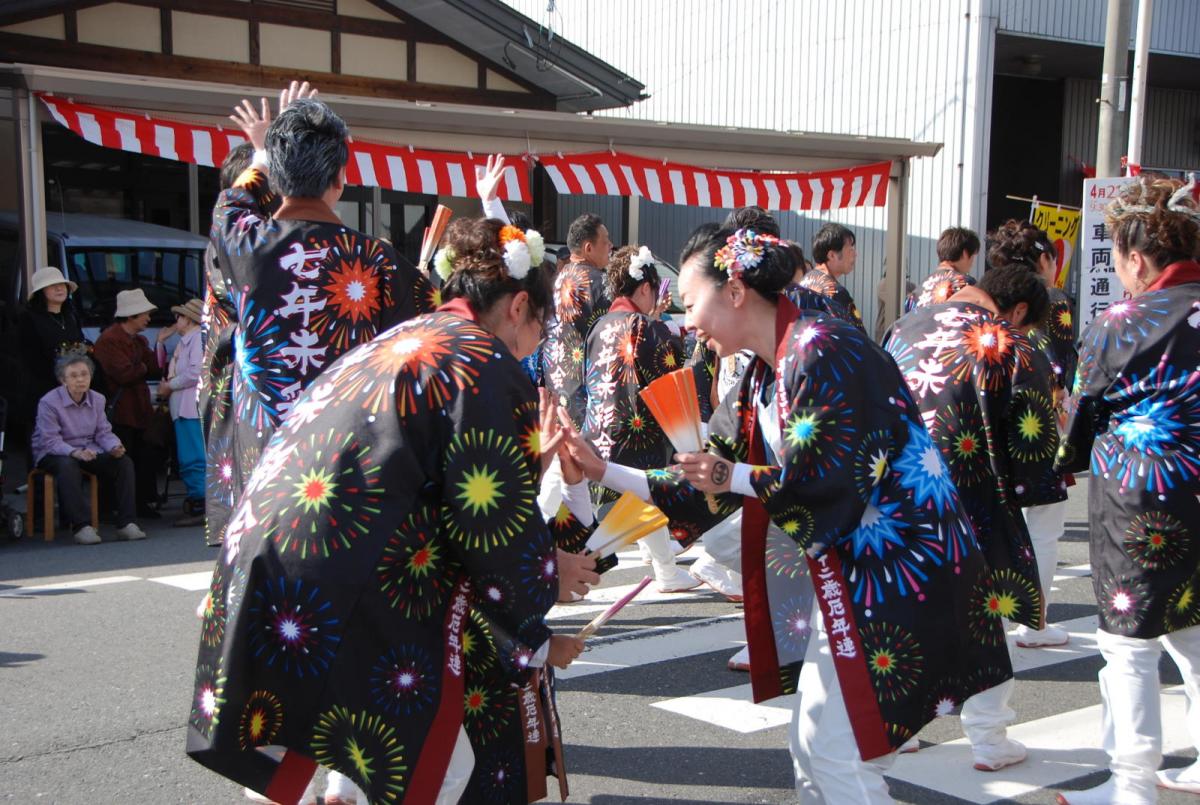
x=1110 y=143
x=1141 y=63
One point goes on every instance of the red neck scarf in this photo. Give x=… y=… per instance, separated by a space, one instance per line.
x=460 y=307
x=623 y=304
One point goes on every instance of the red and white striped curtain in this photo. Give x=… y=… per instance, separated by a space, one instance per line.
x=447 y=173
x=618 y=174
x=394 y=167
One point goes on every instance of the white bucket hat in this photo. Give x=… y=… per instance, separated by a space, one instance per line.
x=45 y=277
x=131 y=303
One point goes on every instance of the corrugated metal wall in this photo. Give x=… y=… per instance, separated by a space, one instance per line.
x=875 y=67
x=1172 y=129
x=1176 y=27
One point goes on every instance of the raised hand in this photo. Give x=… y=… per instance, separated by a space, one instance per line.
x=293 y=92
x=550 y=432
x=580 y=451
x=253 y=122
x=487 y=180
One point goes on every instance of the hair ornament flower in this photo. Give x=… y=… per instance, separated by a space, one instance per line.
x=537 y=246
x=1185 y=201
x=517 y=258
x=639 y=262
x=443 y=262
x=742 y=252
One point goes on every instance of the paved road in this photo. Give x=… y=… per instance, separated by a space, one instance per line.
x=97 y=647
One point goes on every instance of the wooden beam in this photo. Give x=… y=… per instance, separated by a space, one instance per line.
x=70 y=26
x=37 y=50
x=168 y=46
x=410 y=65
x=281 y=15
x=255 y=48
x=335 y=52
x=12 y=18
x=481 y=76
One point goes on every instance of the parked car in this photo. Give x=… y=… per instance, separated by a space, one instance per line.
x=106 y=256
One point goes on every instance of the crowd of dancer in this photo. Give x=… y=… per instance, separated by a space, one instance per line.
x=398 y=506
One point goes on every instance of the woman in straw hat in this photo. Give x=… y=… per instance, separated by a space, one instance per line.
x=48 y=326
x=128 y=362
x=179 y=390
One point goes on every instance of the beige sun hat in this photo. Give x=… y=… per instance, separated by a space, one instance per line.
x=193 y=309
x=133 y=302
x=45 y=277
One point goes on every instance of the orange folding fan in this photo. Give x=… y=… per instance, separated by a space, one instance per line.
x=433 y=236
x=629 y=519
x=676 y=407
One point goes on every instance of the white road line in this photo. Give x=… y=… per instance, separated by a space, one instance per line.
x=733 y=709
x=659 y=645
x=192 y=582
x=1073 y=572
x=18 y=592
x=1061 y=747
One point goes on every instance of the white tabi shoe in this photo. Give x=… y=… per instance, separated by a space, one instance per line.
x=676 y=580
x=1183 y=779
x=741 y=660
x=1041 y=638
x=993 y=757
x=725 y=581
x=1111 y=792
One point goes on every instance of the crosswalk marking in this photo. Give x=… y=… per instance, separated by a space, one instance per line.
x=658 y=645
x=1061 y=747
x=18 y=592
x=192 y=582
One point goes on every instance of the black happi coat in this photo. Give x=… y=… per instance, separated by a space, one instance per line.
x=626 y=351
x=818 y=281
x=1135 y=422
x=984 y=393
x=858 y=513
x=581 y=297
x=385 y=576
x=299 y=293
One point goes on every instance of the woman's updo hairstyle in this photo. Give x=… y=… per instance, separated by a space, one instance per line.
x=1018 y=242
x=479 y=273
x=762 y=262
x=1158 y=217
x=617 y=277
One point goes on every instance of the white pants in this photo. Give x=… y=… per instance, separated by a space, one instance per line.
x=723 y=542
x=1132 y=726
x=458 y=773
x=828 y=767
x=662 y=553
x=986 y=715
x=1045 y=524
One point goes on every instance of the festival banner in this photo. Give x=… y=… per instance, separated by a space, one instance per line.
x=1062 y=225
x=1098 y=283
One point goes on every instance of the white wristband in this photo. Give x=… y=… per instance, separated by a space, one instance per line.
x=740 y=484
x=579 y=502
x=620 y=478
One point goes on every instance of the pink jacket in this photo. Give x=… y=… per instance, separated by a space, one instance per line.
x=183 y=376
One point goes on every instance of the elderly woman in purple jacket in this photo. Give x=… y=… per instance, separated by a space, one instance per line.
x=73 y=434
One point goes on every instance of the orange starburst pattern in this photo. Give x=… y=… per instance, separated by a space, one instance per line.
x=572 y=289
x=354 y=291
x=988 y=342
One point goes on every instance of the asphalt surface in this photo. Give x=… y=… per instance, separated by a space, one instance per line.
x=97 y=646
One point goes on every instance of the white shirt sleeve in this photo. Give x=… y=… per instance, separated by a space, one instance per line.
x=620 y=478
x=579 y=502
x=740 y=484
x=494 y=208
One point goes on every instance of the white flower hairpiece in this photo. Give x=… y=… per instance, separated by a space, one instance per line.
x=443 y=262
x=537 y=246
x=638 y=263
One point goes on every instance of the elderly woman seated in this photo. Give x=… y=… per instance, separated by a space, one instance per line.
x=73 y=434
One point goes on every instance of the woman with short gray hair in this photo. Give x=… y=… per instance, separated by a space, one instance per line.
x=73 y=435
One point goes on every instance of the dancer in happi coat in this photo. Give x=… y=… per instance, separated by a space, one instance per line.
x=984 y=393
x=956 y=250
x=305 y=287
x=1135 y=423
x=626 y=349
x=378 y=606
x=852 y=530
x=581 y=297
x=835 y=251
x=1022 y=242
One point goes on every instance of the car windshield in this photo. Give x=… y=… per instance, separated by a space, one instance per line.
x=168 y=277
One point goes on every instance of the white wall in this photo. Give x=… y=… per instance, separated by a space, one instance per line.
x=891 y=68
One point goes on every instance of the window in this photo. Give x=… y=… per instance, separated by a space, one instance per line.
x=167 y=276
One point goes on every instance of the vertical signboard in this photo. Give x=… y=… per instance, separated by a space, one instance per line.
x=1098 y=283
